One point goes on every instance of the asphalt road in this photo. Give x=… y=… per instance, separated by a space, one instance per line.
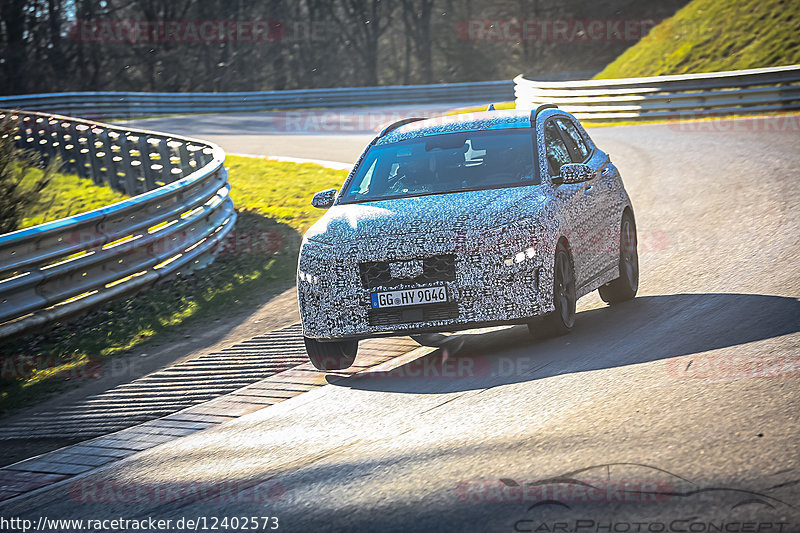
x=678 y=411
x=327 y=134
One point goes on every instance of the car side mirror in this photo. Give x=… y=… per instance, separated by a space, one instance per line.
x=574 y=173
x=324 y=199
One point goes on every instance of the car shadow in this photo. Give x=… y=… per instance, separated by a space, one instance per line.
x=646 y=329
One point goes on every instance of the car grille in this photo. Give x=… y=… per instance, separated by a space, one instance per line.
x=407 y=315
x=434 y=269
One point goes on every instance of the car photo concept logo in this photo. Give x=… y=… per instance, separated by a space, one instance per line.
x=575 y=501
x=406 y=269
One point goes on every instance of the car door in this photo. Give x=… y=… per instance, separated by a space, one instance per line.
x=575 y=207
x=602 y=231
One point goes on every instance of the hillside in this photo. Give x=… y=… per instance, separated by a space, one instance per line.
x=715 y=35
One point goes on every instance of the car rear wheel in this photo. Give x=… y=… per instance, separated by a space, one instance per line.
x=560 y=321
x=335 y=355
x=625 y=286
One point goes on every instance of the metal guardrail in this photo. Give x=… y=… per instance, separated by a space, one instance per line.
x=126 y=104
x=176 y=221
x=691 y=95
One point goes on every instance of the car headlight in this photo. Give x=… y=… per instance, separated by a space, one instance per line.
x=519 y=257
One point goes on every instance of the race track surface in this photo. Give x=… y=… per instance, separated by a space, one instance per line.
x=681 y=407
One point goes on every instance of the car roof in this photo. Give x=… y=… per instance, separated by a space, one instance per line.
x=484 y=120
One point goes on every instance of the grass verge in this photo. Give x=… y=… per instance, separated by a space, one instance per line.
x=478 y=108
x=66 y=195
x=715 y=35
x=272 y=200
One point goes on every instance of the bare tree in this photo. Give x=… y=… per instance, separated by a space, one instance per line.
x=326 y=43
x=362 y=23
x=417 y=23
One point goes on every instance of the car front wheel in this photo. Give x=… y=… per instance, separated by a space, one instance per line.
x=335 y=355
x=560 y=321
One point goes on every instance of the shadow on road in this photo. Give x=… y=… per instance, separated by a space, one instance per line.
x=649 y=328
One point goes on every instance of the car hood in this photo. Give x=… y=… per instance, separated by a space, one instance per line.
x=441 y=213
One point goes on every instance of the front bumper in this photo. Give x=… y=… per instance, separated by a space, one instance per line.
x=334 y=294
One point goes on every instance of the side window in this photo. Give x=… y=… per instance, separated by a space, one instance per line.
x=557 y=153
x=575 y=142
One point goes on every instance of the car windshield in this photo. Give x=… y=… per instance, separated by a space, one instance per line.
x=446 y=163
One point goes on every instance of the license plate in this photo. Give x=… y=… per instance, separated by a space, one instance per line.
x=428 y=295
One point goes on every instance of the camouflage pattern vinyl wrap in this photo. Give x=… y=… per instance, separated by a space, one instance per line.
x=500 y=242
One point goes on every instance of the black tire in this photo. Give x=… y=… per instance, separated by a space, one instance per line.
x=433 y=340
x=560 y=321
x=336 y=355
x=625 y=286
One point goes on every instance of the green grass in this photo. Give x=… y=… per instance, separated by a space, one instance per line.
x=66 y=195
x=477 y=108
x=272 y=200
x=708 y=36
x=280 y=190
x=715 y=35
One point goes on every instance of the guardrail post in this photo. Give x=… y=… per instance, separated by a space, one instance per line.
x=17 y=133
x=66 y=145
x=114 y=162
x=146 y=163
x=129 y=183
x=166 y=161
x=196 y=156
x=43 y=145
x=35 y=137
x=106 y=158
x=49 y=143
x=21 y=132
x=205 y=156
x=29 y=134
x=82 y=153
x=183 y=152
x=94 y=159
